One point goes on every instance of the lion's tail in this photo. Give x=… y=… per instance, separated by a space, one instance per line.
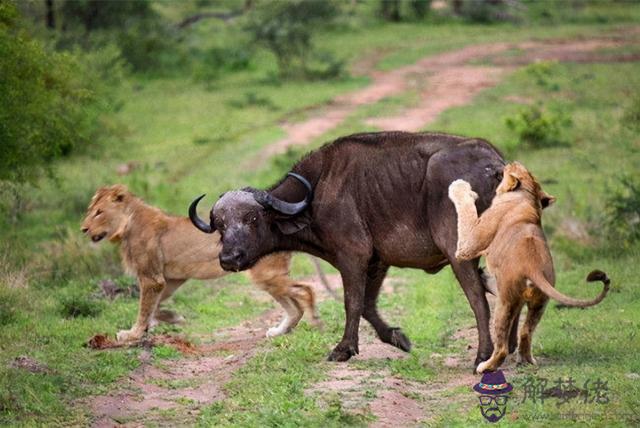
x=541 y=282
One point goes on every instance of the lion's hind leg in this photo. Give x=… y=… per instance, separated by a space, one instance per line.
x=166 y=315
x=534 y=314
x=293 y=315
x=506 y=314
x=304 y=295
x=295 y=299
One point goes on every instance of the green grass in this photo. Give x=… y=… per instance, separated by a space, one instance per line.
x=190 y=138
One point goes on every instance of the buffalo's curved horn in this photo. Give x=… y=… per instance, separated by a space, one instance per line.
x=197 y=221
x=292 y=208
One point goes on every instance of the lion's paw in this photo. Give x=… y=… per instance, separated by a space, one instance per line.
x=129 y=335
x=278 y=331
x=484 y=366
x=460 y=189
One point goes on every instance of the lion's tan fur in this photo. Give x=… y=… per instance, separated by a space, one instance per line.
x=164 y=251
x=510 y=235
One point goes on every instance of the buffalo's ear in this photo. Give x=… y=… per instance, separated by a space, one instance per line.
x=289 y=225
x=546 y=199
x=511 y=182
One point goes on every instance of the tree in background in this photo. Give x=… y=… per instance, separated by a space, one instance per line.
x=393 y=10
x=286 y=29
x=485 y=11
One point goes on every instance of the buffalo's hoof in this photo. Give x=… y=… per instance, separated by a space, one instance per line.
x=342 y=353
x=399 y=340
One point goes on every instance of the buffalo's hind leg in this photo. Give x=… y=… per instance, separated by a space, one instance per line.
x=353 y=280
x=467 y=274
x=391 y=335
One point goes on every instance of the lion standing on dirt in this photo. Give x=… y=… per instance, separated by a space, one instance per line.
x=510 y=235
x=164 y=251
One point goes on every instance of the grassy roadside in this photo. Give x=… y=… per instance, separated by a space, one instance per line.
x=187 y=138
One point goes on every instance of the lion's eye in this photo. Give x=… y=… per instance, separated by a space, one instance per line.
x=98 y=213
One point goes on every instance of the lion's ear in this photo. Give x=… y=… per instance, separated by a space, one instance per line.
x=119 y=193
x=511 y=182
x=546 y=199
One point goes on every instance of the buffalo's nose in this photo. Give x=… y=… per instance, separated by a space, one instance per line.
x=84 y=230
x=233 y=258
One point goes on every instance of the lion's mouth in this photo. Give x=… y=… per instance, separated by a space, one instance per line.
x=98 y=238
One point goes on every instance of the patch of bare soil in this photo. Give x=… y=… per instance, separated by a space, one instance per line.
x=394 y=401
x=173 y=391
x=452 y=81
x=391 y=400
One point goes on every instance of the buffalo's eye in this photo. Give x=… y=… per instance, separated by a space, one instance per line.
x=250 y=218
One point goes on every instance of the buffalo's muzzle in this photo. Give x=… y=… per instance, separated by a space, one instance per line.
x=234 y=260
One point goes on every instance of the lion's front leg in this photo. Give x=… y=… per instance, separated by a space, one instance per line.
x=463 y=199
x=150 y=291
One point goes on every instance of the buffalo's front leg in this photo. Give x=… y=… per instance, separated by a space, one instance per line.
x=354 y=283
x=391 y=335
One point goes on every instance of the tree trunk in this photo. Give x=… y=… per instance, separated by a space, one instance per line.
x=50 y=17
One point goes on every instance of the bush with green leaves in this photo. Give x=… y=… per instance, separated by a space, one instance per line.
x=484 y=11
x=398 y=10
x=147 y=41
x=218 y=60
x=286 y=28
x=542 y=72
x=51 y=101
x=623 y=210
x=537 y=127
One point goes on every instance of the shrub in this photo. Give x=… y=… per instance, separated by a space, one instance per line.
x=393 y=10
x=218 y=60
x=484 y=11
x=623 y=210
x=51 y=101
x=542 y=72
x=538 y=128
x=286 y=29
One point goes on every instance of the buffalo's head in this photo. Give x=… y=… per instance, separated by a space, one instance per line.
x=249 y=222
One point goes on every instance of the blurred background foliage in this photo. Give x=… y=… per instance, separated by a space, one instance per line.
x=62 y=60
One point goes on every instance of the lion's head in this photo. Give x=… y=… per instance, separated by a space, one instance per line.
x=107 y=214
x=517 y=177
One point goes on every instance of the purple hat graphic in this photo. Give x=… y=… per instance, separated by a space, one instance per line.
x=493 y=383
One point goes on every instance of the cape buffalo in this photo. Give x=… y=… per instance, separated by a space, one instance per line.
x=363 y=203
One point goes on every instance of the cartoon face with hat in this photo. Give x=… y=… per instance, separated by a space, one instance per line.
x=494 y=394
